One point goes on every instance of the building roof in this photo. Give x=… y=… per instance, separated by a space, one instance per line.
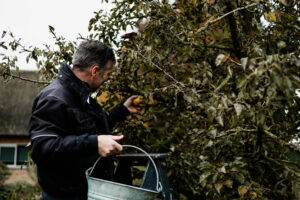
x=16 y=98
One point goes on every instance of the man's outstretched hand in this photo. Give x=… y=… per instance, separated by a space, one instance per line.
x=129 y=104
x=107 y=144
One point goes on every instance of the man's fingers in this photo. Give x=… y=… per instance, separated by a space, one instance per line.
x=108 y=145
x=117 y=138
x=134 y=96
x=118 y=147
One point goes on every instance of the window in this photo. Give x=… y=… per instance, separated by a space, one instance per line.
x=22 y=155
x=7 y=155
x=13 y=155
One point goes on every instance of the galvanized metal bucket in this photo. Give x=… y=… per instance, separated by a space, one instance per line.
x=99 y=189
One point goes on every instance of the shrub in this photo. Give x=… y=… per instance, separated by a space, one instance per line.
x=20 y=191
x=4 y=172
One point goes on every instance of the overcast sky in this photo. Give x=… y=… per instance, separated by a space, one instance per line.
x=29 y=20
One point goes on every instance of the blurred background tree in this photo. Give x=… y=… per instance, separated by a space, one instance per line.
x=219 y=81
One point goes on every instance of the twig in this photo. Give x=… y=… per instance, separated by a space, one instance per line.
x=226 y=14
x=223 y=83
x=235 y=131
x=231 y=60
x=25 y=79
x=280 y=141
x=285 y=166
x=291 y=162
x=17 y=42
x=219 y=47
x=242 y=130
x=163 y=88
x=166 y=73
x=233 y=11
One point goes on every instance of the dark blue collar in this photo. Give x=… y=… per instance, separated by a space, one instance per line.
x=67 y=78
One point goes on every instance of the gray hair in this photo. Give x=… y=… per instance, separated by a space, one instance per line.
x=92 y=52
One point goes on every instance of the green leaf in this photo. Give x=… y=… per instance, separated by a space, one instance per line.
x=218 y=187
x=240 y=178
x=220 y=120
x=238 y=109
x=51 y=28
x=243 y=190
x=3 y=46
x=3 y=34
x=284 y=2
x=244 y=62
x=220 y=59
x=194 y=3
x=228 y=183
x=271 y=17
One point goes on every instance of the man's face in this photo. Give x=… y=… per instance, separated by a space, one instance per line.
x=100 y=76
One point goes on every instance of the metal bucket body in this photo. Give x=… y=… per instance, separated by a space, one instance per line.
x=99 y=189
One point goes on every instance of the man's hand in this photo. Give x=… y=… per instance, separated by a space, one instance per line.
x=107 y=144
x=130 y=106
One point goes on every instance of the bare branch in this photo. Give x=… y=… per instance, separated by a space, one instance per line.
x=166 y=73
x=231 y=60
x=207 y=24
x=219 y=47
x=25 y=79
x=280 y=141
x=233 y=11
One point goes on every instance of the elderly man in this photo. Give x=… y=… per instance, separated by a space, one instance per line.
x=69 y=129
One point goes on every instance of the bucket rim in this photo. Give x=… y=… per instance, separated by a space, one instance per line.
x=120 y=184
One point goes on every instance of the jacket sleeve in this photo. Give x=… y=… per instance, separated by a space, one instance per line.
x=48 y=135
x=117 y=114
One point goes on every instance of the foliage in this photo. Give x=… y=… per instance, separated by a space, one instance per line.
x=4 y=172
x=19 y=191
x=219 y=89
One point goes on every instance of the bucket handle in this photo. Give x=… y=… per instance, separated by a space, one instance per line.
x=158 y=185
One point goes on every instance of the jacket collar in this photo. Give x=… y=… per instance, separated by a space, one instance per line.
x=67 y=78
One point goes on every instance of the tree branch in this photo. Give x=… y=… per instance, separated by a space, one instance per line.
x=219 y=47
x=234 y=30
x=280 y=141
x=166 y=73
x=25 y=79
x=212 y=21
x=233 y=11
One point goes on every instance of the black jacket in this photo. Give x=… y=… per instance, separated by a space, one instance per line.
x=63 y=128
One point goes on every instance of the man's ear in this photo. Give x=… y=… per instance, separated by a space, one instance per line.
x=93 y=70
